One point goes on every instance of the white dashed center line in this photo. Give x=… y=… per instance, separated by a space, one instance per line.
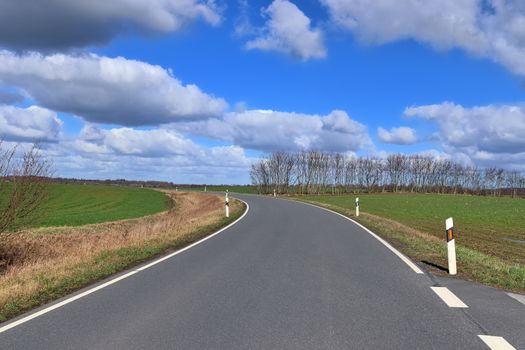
x=448 y=297
x=496 y=343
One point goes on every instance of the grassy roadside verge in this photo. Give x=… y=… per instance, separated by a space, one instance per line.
x=63 y=262
x=430 y=252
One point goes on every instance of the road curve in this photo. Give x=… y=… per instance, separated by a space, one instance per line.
x=287 y=276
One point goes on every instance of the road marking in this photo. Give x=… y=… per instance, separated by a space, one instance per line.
x=116 y=279
x=67 y=301
x=518 y=297
x=194 y=244
x=400 y=255
x=448 y=297
x=496 y=343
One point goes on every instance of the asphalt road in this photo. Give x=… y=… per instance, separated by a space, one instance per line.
x=287 y=276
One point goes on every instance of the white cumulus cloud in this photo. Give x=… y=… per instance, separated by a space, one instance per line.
x=493 y=28
x=31 y=124
x=268 y=130
x=107 y=90
x=129 y=141
x=289 y=30
x=400 y=136
x=492 y=134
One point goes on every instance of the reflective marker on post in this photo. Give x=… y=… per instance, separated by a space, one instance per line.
x=451 y=246
x=357 y=206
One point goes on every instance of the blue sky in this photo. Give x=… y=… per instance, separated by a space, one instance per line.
x=445 y=80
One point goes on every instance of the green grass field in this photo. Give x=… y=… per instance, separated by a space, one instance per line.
x=490 y=231
x=222 y=188
x=76 y=205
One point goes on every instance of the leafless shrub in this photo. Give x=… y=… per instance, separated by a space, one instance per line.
x=23 y=185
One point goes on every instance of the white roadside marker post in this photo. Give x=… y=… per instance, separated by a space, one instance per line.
x=205 y=188
x=274 y=194
x=227 y=205
x=357 y=206
x=451 y=246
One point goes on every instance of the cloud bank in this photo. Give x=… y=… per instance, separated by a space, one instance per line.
x=157 y=153
x=107 y=90
x=64 y=24
x=268 y=130
x=487 y=135
x=493 y=28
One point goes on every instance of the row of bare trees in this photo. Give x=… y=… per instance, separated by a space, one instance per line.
x=315 y=172
x=24 y=179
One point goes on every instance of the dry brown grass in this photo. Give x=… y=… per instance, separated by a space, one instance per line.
x=44 y=259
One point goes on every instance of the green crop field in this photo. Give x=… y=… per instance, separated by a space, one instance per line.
x=221 y=188
x=76 y=205
x=486 y=227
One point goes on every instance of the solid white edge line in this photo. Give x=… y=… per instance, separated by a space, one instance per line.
x=518 y=297
x=496 y=343
x=400 y=255
x=448 y=297
x=119 y=278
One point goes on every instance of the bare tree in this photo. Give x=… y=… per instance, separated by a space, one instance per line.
x=302 y=175
x=338 y=169
x=370 y=173
x=260 y=176
x=443 y=173
x=395 y=166
x=351 y=174
x=23 y=184
x=513 y=182
x=490 y=180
